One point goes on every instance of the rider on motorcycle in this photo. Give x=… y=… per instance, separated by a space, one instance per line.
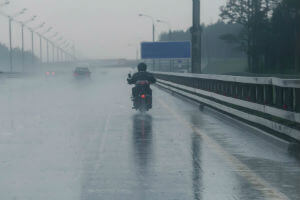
x=141 y=75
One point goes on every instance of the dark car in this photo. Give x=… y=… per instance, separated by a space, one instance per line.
x=82 y=72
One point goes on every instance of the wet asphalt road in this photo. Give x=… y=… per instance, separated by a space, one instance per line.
x=62 y=139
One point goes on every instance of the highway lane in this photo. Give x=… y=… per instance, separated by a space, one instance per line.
x=67 y=139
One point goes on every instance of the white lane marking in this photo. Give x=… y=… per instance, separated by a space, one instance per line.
x=103 y=142
x=258 y=183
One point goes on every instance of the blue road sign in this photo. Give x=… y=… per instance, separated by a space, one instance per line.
x=157 y=50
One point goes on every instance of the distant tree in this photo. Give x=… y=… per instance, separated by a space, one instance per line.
x=179 y=35
x=17 y=57
x=4 y=53
x=212 y=45
x=294 y=8
x=285 y=35
x=253 y=38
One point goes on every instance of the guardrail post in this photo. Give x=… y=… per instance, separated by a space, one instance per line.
x=209 y=85
x=243 y=91
x=222 y=90
x=268 y=95
x=288 y=98
x=238 y=90
x=284 y=98
x=259 y=94
x=274 y=95
x=256 y=94
x=297 y=99
x=265 y=95
x=279 y=97
x=251 y=93
x=294 y=100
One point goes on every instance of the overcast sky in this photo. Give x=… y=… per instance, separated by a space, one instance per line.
x=108 y=28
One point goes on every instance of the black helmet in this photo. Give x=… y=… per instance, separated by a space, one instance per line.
x=142 y=67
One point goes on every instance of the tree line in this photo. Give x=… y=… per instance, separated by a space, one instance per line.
x=212 y=45
x=267 y=32
x=17 y=57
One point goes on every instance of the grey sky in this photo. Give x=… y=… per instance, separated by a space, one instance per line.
x=105 y=28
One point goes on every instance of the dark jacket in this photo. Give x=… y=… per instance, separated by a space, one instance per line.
x=141 y=76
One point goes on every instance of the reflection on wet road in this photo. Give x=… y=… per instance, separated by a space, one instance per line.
x=142 y=151
x=64 y=139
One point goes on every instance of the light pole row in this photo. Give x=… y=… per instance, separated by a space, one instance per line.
x=62 y=49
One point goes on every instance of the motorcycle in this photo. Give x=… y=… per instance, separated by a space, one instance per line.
x=142 y=96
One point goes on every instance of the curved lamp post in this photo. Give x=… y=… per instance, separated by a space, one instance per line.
x=23 y=24
x=53 y=45
x=47 y=41
x=153 y=34
x=32 y=30
x=41 y=36
x=58 y=48
x=10 y=19
x=153 y=25
x=169 y=26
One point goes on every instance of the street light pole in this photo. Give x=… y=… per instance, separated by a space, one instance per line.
x=169 y=26
x=32 y=39
x=196 y=38
x=52 y=44
x=58 y=59
x=22 y=27
x=10 y=45
x=153 y=35
x=74 y=52
x=47 y=51
x=41 y=47
x=41 y=50
x=58 y=48
x=32 y=48
x=65 y=53
x=10 y=19
x=61 y=55
x=23 y=58
x=153 y=25
x=53 y=57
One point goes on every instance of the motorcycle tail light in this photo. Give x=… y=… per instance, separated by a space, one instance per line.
x=143 y=96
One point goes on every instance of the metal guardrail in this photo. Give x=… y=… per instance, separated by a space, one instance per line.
x=273 y=99
x=279 y=93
